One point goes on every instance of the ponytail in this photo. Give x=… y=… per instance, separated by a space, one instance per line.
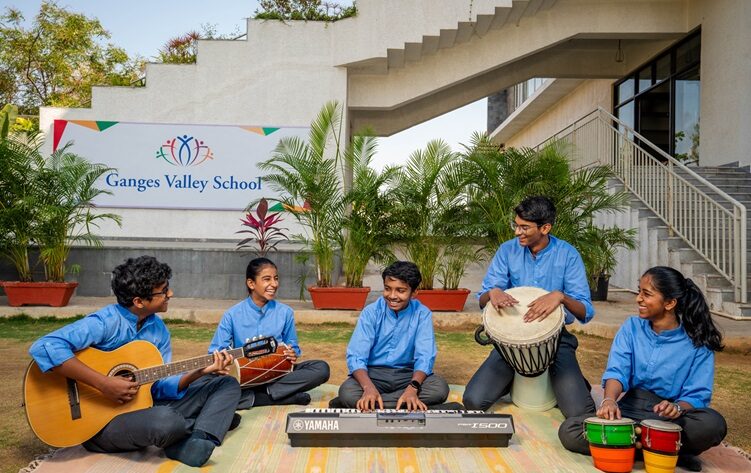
x=691 y=309
x=696 y=319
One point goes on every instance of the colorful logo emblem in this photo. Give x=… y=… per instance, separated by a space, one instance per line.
x=184 y=151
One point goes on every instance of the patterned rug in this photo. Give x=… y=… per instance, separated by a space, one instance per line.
x=261 y=445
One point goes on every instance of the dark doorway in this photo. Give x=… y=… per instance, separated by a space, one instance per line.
x=653 y=117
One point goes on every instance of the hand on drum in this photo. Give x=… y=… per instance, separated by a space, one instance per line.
x=609 y=410
x=290 y=354
x=543 y=306
x=500 y=299
x=371 y=399
x=667 y=409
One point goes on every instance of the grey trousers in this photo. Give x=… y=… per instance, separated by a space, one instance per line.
x=208 y=405
x=304 y=377
x=572 y=391
x=702 y=428
x=391 y=383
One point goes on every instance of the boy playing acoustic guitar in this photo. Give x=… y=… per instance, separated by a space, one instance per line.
x=191 y=413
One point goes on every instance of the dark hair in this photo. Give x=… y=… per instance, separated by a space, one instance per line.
x=137 y=277
x=538 y=209
x=691 y=309
x=255 y=266
x=406 y=271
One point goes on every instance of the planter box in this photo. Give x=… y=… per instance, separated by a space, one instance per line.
x=55 y=294
x=348 y=298
x=446 y=300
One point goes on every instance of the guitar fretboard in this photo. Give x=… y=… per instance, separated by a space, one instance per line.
x=150 y=375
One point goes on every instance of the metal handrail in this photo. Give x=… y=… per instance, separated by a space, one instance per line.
x=715 y=227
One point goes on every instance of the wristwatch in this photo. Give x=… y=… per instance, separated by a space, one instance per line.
x=417 y=385
x=678 y=408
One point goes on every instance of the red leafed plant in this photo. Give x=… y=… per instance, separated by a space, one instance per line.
x=262 y=226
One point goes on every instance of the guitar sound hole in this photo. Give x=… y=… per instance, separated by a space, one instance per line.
x=125 y=373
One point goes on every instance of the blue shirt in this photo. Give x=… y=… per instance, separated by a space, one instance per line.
x=246 y=320
x=667 y=364
x=557 y=267
x=108 y=329
x=383 y=338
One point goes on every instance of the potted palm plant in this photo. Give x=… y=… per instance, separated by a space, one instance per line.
x=600 y=246
x=369 y=217
x=61 y=190
x=337 y=219
x=19 y=161
x=430 y=208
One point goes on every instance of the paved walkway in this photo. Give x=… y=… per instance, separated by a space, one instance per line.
x=609 y=314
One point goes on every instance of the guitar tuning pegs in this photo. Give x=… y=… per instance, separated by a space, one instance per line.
x=247 y=340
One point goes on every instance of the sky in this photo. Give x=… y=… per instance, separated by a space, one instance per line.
x=143 y=26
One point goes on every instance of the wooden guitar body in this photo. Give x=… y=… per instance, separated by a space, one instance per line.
x=63 y=412
x=51 y=399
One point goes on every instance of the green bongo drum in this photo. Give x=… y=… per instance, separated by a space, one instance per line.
x=612 y=433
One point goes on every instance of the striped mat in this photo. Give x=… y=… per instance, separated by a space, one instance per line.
x=261 y=445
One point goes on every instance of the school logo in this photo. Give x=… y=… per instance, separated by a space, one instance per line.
x=184 y=151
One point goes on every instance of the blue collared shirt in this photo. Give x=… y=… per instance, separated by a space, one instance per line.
x=383 y=338
x=557 y=267
x=108 y=329
x=246 y=320
x=667 y=364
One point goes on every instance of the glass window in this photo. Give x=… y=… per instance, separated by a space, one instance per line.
x=625 y=90
x=625 y=113
x=662 y=68
x=645 y=78
x=688 y=53
x=687 y=100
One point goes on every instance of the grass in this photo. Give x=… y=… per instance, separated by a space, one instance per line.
x=458 y=358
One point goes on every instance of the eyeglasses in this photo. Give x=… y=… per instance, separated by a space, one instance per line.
x=164 y=292
x=522 y=228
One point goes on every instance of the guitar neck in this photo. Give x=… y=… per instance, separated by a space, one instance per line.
x=155 y=373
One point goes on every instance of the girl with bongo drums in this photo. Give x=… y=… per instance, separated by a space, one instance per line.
x=261 y=315
x=663 y=359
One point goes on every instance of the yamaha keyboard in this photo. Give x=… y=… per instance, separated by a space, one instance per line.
x=398 y=428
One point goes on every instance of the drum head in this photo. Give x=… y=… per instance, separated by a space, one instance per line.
x=661 y=425
x=508 y=326
x=598 y=420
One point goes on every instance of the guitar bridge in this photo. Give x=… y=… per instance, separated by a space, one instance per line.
x=73 y=399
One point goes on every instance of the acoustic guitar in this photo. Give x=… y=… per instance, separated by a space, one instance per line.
x=63 y=412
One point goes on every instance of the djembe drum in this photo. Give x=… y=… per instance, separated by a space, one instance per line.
x=528 y=347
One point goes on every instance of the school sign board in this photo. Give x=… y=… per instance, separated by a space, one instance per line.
x=175 y=166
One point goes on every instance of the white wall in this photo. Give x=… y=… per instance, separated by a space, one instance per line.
x=725 y=79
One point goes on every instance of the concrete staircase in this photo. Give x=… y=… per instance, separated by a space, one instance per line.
x=658 y=247
x=736 y=182
x=464 y=30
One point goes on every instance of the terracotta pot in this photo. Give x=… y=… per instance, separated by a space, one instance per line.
x=349 y=298
x=447 y=300
x=55 y=294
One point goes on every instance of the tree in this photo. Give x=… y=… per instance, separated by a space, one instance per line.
x=182 y=49
x=57 y=60
x=312 y=10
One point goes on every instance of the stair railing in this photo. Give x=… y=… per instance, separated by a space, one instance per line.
x=714 y=226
